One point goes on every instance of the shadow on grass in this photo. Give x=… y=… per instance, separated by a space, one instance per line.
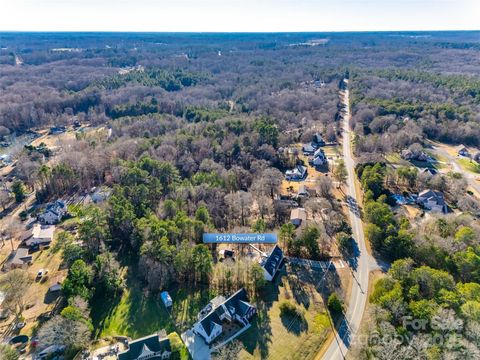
x=260 y=333
x=295 y=324
x=353 y=205
x=137 y=313
x=297 y=287
x=51 y=297
x=103 y=308
x=329 y=285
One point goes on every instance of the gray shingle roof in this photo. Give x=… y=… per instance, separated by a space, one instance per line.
x=209 y=321
x=235 y=304
x=151 y=343
x=273 y=261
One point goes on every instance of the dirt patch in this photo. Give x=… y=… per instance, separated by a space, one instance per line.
x=54 y=141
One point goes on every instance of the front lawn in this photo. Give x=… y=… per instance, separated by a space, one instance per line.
x=273 y=336
x=136 y=314
x=469 y=165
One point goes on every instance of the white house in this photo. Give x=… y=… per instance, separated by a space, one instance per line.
x=462 y=151
x=432 y=200
x=53 y=213
x=298 y=216
x=42 y=235
x=209 y=328
x=152 y=347
x=272 y=263
x=319 y=158
x=235 y=309
x=296 y=174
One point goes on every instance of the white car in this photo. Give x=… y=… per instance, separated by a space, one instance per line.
x=41 y=273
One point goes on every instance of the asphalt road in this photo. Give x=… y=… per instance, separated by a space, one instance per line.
x=347 y=330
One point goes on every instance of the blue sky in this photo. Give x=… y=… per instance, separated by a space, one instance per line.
x=239 y=15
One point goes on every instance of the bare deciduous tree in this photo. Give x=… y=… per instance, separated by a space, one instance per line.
x=5 y=198
x=74 y=334
x=15 y=285
x=229 y=351
x=239 y=204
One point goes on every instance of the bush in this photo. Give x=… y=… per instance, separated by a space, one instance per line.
x=179 y=350
x=7 y=352
x=289 y=309
x=23 y=215
x=345 y=243
x=335 y=305
x=19 y=191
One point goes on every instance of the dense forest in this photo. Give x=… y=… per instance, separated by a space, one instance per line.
x=193 y=136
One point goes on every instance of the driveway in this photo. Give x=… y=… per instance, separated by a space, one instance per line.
x=452 y=160
x=197 y=347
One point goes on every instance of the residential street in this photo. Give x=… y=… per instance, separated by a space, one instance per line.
x=358 y=298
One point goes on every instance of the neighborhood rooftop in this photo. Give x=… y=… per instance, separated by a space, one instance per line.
x=18 y=259
x=43 y=231
x=272 y=263
x=149 y=347
x=298 y=216
x=40 y=235
x=235 y=308
x=432 y=200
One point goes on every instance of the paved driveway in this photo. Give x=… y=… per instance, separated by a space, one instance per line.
x=197 y=347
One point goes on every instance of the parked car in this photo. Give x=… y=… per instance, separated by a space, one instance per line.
x=41 y=274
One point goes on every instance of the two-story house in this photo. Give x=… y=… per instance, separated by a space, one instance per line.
x=234 y=309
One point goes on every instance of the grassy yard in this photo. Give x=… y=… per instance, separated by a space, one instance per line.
x=37 y=294
x=469 y=165
x=275 y=337
x=394 y=158
x=136 y=313
x=333 y=151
